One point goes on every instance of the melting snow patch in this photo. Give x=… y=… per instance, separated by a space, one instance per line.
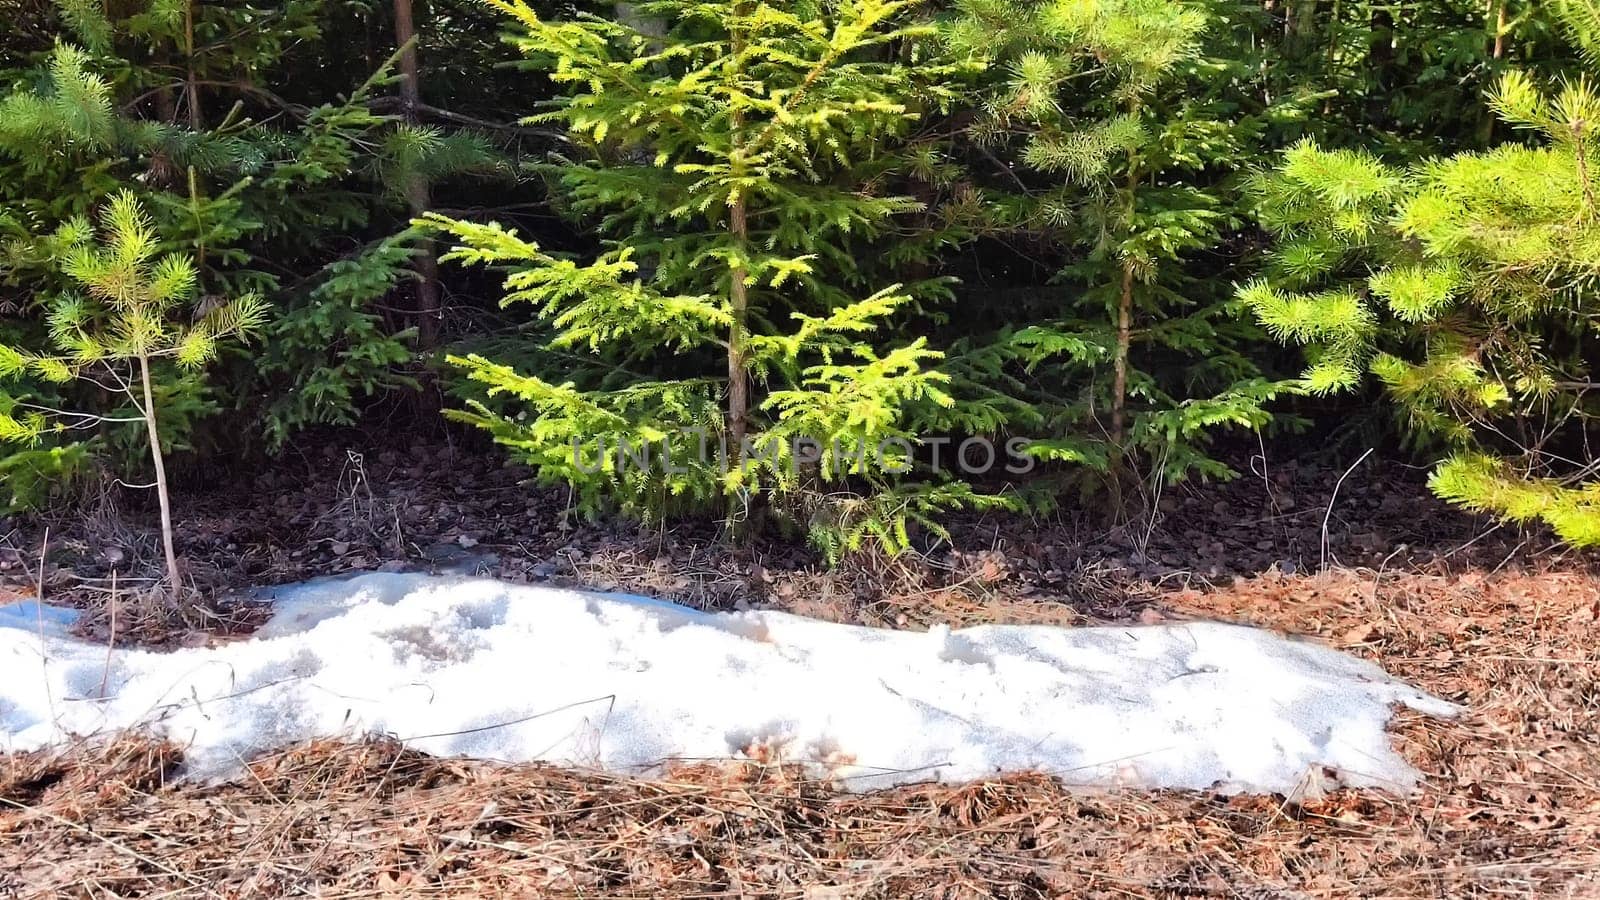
x=40 y=618
x=472 y=667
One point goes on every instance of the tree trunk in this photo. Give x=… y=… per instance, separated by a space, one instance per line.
x=417 y=193
x=1119 y=363
x=162 y=171
x=191 y=88
x=1299 y=24
x=1496 y=16
x=738 y=293
x=651 y=26
x=738 y=378
x=1500 y=31
x=174 y=574
x=1119 y=377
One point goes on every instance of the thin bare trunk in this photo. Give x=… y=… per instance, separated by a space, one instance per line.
x=739 y=302
x=162 y=171
x=1119 y=363
x=738 y=293
x=1117 y=470
x=1119 y=377
x=1496 y=15
x=191 y=84
x=1333 y=35
x=174 y=574
x=1300 y=23
x=418 y=195
x=1500 y=31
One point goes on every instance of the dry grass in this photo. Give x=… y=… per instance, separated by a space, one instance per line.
x=116 y=606
x=1512 y=807
x=901 y=592
x=359 y=513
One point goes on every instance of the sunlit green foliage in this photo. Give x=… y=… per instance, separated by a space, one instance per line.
x=741 y=241
x=730 y=166
x=1467 y=286
x=1125 y=149
x=134 y=303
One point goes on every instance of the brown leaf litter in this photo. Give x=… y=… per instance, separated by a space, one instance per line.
x=434 y=505
x=1511 y=806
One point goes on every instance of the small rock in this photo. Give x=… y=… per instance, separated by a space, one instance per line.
x=441 y=552
x=467 y=541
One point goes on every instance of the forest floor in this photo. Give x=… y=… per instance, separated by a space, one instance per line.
x=1502 y=623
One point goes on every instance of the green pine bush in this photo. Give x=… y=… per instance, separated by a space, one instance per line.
x=1467 y=286
x=729 y=155
x=134 y=310
x=1124 y=130
x=265 y=195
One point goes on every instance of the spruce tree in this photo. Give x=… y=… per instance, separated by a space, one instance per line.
x=1467 y=286
x=723 y=151
x=302 y=204
x=1127 y=137
x=134 y=311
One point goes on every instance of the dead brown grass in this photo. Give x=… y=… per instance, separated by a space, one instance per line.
x=1512 y=806
x=907 y=591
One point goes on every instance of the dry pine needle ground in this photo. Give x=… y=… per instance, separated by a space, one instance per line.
x=1512 y=806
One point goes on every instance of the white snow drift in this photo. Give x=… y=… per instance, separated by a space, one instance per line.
x=480 y=668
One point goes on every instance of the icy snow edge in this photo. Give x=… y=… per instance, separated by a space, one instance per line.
x=473 y=667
